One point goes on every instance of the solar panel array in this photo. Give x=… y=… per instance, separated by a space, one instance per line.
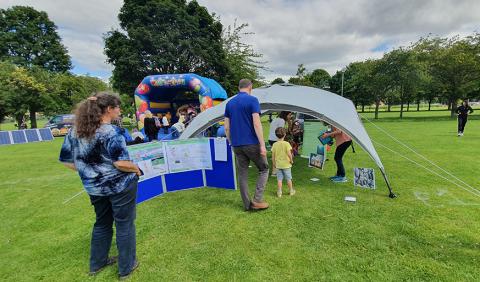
x=25 y=136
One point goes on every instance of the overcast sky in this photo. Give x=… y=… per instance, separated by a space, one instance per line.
x=325 y=34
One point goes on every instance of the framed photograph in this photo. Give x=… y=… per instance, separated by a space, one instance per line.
x=364 y=177
x=316 y=160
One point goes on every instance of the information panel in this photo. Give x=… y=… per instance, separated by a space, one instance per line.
x=150 y=158
x=190 y=154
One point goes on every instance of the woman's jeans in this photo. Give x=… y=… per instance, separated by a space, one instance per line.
x=121 y=209
x=339 y=152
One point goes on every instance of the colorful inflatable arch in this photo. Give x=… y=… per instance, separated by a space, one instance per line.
x=156 y=92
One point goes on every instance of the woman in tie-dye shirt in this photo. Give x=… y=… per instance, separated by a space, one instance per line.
x=98 y=151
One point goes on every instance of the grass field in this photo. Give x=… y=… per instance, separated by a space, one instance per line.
x=430 y=232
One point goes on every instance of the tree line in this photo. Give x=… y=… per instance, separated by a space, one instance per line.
x=433 y=69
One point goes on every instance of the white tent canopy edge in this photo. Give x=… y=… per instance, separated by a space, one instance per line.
x=326 y=106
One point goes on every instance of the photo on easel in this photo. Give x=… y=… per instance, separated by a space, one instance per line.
x=316 y=160
x=364 y=177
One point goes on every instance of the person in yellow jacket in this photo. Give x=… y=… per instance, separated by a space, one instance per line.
x=282 y=160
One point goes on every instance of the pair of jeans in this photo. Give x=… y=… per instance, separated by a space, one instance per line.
x=243 y=155
x=339 y=152
x=118 y=208
x=462 y=120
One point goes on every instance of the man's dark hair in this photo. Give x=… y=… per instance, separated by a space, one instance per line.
x=244 y=83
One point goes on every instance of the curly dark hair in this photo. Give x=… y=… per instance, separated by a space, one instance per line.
x=88 y=115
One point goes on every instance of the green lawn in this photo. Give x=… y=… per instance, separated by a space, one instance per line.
x=430 y=232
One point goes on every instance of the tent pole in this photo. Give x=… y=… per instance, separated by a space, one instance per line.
x=391 y=194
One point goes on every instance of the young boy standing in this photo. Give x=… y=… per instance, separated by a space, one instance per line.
x=282 y=160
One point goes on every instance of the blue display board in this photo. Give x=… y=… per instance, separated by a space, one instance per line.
x=149 y=188
x=223 y=173
x=221 y=176
x=184 y=180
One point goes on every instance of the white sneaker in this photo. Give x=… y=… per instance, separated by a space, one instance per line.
x=461 y=134
x=279 y=193
x=292 y=192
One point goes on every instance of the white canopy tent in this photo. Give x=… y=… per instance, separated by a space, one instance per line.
x=326 y=106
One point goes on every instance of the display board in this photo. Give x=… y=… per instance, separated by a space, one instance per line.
x=187 y=164
x=310 y=136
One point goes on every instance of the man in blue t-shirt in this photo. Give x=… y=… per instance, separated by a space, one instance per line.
x=244 y=131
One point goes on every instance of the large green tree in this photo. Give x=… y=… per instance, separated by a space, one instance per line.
x=241 y=58
x=28 y=38
x=404 y=72
x=320 y=78
x=457 y=69
x=165 y=36
x=28 y=93
x=6 y=92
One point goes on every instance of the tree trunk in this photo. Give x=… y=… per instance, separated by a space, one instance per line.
x=449 y=105
x=363 y=108
x=401 y=102
x=453 y=108
x=408 y=106
x=418 y=106
x=389 y=108
x=429 y=104
x=33 y=119
x=377 y=105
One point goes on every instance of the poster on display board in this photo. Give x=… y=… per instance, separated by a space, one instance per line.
x=187 y=155
x=220 y=145
x=150 y=158
x=364 y=177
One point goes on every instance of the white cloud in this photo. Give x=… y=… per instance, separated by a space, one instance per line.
x=330 y=34
x=319 y=33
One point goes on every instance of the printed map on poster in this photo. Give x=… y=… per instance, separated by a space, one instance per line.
x=150 y=158
x=186 y=155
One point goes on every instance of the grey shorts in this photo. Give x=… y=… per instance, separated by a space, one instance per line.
x=284 y=173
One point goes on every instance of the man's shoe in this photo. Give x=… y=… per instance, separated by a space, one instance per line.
x=110 y=261
x=279 y=193
x=340 y=179
x=126 y=276
x=333 y=177
x=292 y=192
x=258 y=206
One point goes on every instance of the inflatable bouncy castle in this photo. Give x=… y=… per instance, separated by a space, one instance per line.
x=156 y=93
